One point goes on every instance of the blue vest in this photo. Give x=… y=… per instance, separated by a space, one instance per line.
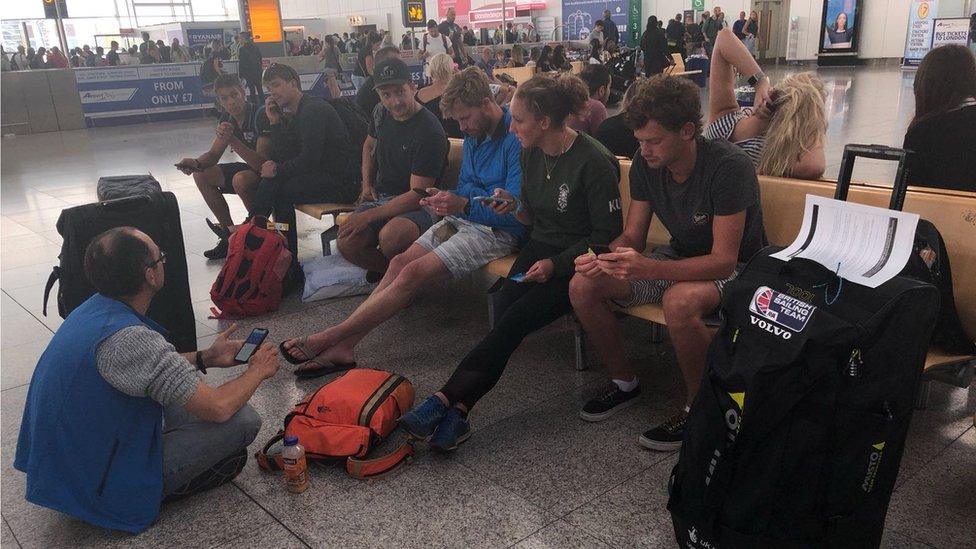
x=89 y=450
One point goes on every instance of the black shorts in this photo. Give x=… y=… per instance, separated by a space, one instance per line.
x=230 y=169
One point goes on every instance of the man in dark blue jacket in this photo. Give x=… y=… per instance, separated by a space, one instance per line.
x=470 y=235
x=116 y=421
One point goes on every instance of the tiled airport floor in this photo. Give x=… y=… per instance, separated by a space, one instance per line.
x=532 y=475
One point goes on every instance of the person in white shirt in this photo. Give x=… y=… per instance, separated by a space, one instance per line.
x=435 y=42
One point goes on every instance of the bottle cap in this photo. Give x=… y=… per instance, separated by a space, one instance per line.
x=291 y=440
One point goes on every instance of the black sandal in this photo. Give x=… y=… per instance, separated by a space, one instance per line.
x=322 y=369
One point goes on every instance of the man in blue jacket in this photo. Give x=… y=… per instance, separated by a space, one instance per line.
x=116 y=421
x=470 y=235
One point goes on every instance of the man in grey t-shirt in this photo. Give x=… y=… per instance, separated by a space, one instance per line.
x=707 y=196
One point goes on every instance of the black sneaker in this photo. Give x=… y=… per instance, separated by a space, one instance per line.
x=217 y=252
x=611 y=402
x=667 y=436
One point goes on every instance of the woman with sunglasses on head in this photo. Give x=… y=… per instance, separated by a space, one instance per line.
x=783 y=133
x=570 y=198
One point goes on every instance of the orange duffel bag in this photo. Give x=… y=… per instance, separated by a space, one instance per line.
x=344 y=419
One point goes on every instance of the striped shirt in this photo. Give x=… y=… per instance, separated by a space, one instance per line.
x=722 y=127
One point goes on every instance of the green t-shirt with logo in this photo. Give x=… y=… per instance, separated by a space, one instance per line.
x=577 y=203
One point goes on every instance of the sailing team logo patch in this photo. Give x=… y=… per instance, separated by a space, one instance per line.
x=788 y=312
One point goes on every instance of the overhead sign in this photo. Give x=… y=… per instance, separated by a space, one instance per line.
x=51 y=8
x=414 y=13
x=263 y=19
x=698 y=5
x=357 y=20
x=921 y=25
x=950 y=31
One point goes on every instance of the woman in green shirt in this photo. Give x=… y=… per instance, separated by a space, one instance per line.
x=571 y=198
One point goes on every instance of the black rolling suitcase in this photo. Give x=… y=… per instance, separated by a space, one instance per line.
x=797 y=432
x=159 y=217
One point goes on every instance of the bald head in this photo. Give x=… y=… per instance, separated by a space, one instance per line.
x=116 y=261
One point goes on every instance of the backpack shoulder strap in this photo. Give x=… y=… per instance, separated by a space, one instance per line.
x=374 y=467
x=270 y=462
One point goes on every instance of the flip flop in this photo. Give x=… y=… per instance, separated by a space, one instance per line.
x=322 y=368
x=302 y=346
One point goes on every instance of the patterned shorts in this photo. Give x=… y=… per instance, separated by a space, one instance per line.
x=464 y=246
x=652 y=291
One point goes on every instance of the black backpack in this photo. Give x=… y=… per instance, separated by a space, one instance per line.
x=357 y=124
x=159 y=217
x=798 y=429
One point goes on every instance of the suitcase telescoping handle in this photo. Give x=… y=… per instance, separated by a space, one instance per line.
x=878 y=152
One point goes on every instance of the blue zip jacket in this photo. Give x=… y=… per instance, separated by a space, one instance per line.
x=89 y=450
x=488 y=165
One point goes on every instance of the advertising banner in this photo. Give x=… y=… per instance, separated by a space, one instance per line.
x=461 y=9
x=921 y=25
x=950 y=31
x=202 y=37
x=579 y=16
x=140 y=89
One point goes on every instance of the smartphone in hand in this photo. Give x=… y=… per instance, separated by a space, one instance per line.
x=600 y=249
x=188 y=168
x=251 y=345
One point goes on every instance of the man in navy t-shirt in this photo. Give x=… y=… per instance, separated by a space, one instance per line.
x=404 y=154
x=238 y=130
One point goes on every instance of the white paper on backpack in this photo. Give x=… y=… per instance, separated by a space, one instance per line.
x=864 y=244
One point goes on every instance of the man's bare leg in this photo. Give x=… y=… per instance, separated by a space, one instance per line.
x=685 y=306
x=209 y=182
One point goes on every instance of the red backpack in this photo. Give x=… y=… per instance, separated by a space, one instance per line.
x=344 y=418
x=252 y=280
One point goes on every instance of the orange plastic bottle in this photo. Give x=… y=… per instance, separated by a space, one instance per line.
x=296 y=469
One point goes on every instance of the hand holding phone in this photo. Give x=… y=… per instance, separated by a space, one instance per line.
x=251 y=345
x=600 y=249
x=188 y=166
x=517 y=277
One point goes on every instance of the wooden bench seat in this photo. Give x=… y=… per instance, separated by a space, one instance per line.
x=783 y=200
x=678 y=69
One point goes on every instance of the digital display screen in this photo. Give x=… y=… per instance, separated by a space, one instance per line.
x=838 y=30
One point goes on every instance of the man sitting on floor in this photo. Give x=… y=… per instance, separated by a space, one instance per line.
x=404 y=154
x=238 y=130
x=470 y=236
x=313 y=156
x=116 y=421
x=706 y=194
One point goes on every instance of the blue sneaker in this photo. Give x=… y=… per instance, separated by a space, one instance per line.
x=452 y=431
x=420 y=422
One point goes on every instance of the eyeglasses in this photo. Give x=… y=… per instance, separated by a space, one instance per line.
x=162 y=259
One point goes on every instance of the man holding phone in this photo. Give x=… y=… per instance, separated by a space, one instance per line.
x=405 y=148
x=313 y=159
x=470 y=235
x=707 y=196
x=116 y=421
x=238 y=130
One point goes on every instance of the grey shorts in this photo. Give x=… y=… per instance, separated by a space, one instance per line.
x=643 y=292
x=420 y=217
x=464 y=246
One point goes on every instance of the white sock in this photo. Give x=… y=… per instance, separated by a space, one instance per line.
x=626 y=386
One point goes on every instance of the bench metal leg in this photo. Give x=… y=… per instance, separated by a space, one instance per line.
x=657 y=332
x=328 y=237
x=922 y=395
x=578 y=343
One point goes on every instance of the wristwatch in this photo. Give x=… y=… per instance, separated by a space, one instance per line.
x=200 y=365
x=754 y=79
